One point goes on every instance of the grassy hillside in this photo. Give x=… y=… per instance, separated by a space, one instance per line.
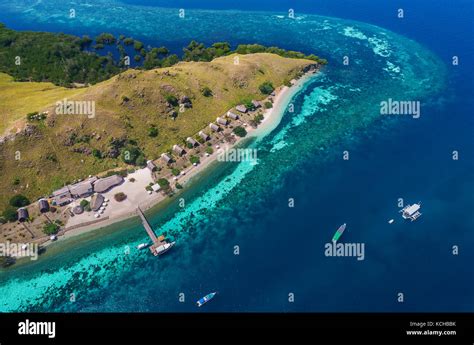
x=19 y=98
x=63 y=148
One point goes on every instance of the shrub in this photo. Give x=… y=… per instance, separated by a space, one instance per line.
x=50 y=228
x=206 y=92
x=86 y=205
x=194 y=159
x=19 y=201
x=178 y=186
x=266 y=88
x=152 y=132
x=268 y=105
x=137 y=45
x=96 y=153
x=141 y=161
x=175 y=171
x=172 y=100
x=209 y=150
x=164 y=183
x=120 y=196
x=258 y=118
x=10 y=214
x=240 y=131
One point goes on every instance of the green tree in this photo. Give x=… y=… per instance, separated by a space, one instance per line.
x=206 y=92
x=50 y=228
x=172 y=100
x=240 y=131
x=19 y=201
x=164 y=183
x=153 y=132
x=10 y=214
x=266 y=88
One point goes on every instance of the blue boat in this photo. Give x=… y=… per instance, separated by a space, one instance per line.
x=206 y=299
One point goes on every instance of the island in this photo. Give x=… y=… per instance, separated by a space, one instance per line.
x=81 y=155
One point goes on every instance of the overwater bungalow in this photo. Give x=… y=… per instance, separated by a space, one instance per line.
x=214 y=127
x=191 y=141
x=222 y=121
x=242 y=108
x=232 y=115
x=22 y=214
x=104 y=184
x=43 y=205
x=178 y=150
x=204 y=136
x=167 y=158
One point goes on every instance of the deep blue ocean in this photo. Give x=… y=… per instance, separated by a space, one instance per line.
x=281 y=247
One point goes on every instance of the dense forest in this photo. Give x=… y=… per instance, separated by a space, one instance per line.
x=66 y=60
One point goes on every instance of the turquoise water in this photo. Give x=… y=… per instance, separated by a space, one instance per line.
x=281 y=249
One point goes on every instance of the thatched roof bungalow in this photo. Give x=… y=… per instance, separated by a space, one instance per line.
x=62 y=196
x=232 y=115
x=43 y=205
x=150 y=165
x=214 y=127
x=222 y=121
x=205 y=136
x=191 y=141
x=104 y=184
x=256 y=104
x=82 y=189
x=242 y=108
x=22 y=214
x=96 y=202
x=178 y=150
x=166 y=158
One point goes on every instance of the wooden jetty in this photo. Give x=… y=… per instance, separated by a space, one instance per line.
x=160 y=245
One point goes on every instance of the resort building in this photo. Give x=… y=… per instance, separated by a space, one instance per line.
x=214 y=127
x=104 y=184
x=156 y=187
x=82 y=189
x=242 y=108
x=166 y=158
x=150 y=165
x=43 y=205
x=232 y=115
x=22 y=214
x=191 y=141
x=204 y=136
x=222 y=121
x=178 y=150
x=256 y=104
x=62 y=196
x=96 y=202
